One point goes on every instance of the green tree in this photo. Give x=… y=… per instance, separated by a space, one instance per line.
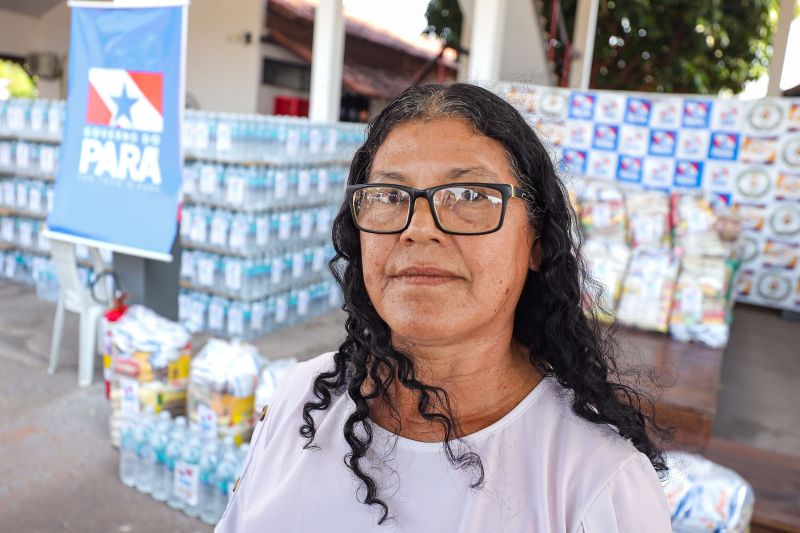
x=683 y=46
x=444 y=21
x=16 y=81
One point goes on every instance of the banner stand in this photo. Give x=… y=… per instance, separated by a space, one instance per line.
x=150 y=279
x=152 y=283
x=116 y=248
x=122 y=144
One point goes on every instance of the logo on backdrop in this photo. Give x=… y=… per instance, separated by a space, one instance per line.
x=688 y=174
x=124 y=117
x=719 y=176
x=605 y=137
x=662 y=142
x=609 y=108
x=581 y=105
x=666 y=114
x=638 y=111
x=574 y=161
x=602 y=164
x=579 y=134
x=723 y=146
x=726 y=115
x=696 y=113
x=658 y=172
x=629 y=169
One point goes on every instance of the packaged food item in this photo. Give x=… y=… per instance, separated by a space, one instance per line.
x=699 y=309
x=706 y=497
x=222 y=384
x=647 y=292
x=149 y=362
x=695 y=226
x=607 y=261
x=648 y=219
x=602 y=211
x=272 y=374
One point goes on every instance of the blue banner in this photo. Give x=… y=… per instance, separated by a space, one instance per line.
x=119 y=177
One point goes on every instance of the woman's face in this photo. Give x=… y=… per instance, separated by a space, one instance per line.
x=430 y=287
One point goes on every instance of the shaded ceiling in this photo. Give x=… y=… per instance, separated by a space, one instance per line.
x=34 y=8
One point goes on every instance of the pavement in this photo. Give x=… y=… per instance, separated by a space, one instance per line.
x=58 y=471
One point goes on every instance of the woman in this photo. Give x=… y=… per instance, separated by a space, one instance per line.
x=472 y=392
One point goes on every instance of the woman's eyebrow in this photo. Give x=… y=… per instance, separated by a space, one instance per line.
x=476 y=170
x=388 y=175
x=454 y=174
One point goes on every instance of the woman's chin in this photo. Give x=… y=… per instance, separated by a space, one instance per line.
x=422 y=327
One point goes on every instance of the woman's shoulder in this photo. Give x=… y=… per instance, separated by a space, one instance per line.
x=298 y=384
x=588 y=463
x=304 y=372
x=578 y=444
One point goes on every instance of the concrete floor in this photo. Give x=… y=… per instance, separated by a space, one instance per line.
x=759 y=404
x=58 y=471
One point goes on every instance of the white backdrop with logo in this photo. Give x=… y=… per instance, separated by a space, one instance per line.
x=744 y=154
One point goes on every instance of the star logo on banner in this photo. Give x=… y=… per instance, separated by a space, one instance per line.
x=124 y=104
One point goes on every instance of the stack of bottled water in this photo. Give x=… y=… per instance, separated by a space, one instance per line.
x=239 y=232
x=257 y=276
x=267 y=139
x=261 y=186
x=260 y=194
x=190 y=470
x=226 y=317
x=30 y=196
x=30 y=131
x=32 y=119
x=26 y=158
x=36 y=268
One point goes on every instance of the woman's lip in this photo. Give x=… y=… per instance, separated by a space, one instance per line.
x=425 y=280
x=425 y=276
x=429 y=272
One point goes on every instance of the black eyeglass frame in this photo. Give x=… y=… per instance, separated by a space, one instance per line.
x=506 y=190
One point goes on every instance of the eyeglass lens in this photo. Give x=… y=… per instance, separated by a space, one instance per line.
x=459 y=209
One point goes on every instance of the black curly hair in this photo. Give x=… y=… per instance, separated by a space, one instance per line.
x=551 y=319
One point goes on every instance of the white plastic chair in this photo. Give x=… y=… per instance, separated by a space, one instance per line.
x=74 y=297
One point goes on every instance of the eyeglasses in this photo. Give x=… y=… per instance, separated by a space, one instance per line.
x=458 y=208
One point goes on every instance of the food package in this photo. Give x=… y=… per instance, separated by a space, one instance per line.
x=607 y=261
x=696 y=226
x=602 y=211
x=647 y=292
x=149 y=363
x=706 y=497
x=222 y=384
x=699 y=309
x=271 y=375
x=648 y=219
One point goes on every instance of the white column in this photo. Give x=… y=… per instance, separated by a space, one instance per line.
x=486 y=43
x=785 y=15
x=580 y=69
x=466 y=34
x=327 y=60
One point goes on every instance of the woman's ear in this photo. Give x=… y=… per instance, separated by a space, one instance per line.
x=535 y=259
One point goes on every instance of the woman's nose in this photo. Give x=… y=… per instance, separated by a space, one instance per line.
x=422 y=225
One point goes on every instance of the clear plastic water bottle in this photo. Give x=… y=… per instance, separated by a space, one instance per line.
x=225 y=476
x=173 y=456
x=145 y=452
x=187 y=473
x=128 y=460
x=208 y=466
x=161 y=477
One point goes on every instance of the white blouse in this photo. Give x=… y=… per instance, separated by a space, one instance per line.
x=545 y=468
